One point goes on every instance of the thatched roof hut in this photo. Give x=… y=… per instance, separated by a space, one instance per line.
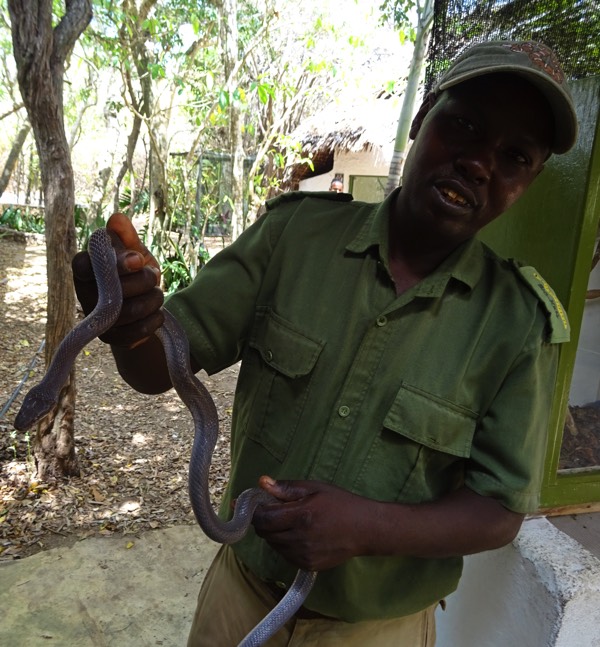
x=340 y=128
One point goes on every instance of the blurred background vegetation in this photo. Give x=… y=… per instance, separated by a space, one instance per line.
x=179 y=113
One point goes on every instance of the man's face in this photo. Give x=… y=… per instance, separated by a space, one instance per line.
x=476 y=150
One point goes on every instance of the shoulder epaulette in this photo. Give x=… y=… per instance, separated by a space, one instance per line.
x=560 y=331
x=294 y=196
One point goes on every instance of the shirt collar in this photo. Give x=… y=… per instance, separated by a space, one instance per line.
x=374 y=231
x=464 y=264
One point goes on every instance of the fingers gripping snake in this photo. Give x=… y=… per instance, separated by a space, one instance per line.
x=43 y=397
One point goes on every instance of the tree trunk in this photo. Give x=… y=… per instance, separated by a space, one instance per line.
x=424 y=22
x=158 y=173
x=40 y=52
x=238 y=219
x=13 y=156
x=127 y=165
x=229 y=43
x=133 y=38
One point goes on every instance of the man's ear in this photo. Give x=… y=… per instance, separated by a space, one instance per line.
x=426 y=106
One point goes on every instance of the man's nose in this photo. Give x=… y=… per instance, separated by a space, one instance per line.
x=475 y=166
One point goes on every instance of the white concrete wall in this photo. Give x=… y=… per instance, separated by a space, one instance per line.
x=585 y=385
x=541 y=591
x=373 y=162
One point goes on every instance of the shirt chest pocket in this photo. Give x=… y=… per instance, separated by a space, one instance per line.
x=421 y=449
x=281 y=359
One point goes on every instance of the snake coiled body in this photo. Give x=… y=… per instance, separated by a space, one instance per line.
x=42 y=398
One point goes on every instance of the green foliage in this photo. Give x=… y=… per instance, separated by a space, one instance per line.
x=401 y=13
x=250 y=19
x=142 y=202
x=157 y=71
x=178 y=270
x=26 y=220
x=264 y=91
x=180 y=258
x=85 y=227
x=285 y=153
x=32 y=221
x=163 y=61
x=177 y=242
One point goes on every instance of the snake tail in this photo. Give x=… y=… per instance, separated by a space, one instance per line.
x=288 y=605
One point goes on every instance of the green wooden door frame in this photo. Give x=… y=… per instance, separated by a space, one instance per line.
x=576 y=486
x=553 y=227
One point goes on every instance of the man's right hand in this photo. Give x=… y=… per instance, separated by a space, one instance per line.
x=140 y=279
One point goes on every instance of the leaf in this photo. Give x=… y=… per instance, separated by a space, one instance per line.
x=263 y=94
x=129 y=544
x=98 y=496
x=223 y=99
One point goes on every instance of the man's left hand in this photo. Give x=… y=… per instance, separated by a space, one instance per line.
x=314 y=525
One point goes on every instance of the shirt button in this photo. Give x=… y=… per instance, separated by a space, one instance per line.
x=381 y=321
x=269 y=356
x=344 y=411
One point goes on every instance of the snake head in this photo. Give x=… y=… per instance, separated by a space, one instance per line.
x=36 y=405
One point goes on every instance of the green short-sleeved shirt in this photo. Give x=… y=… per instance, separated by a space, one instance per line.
x=397 y=398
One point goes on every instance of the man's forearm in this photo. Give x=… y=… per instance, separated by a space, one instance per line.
x=316 y=525
x=461 y=523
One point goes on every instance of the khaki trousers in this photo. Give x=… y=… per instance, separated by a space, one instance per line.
x=232 y=601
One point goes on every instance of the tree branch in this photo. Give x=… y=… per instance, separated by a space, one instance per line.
x=76 y=18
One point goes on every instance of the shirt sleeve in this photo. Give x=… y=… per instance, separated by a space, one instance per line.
x=508 y=451
x=217 y=309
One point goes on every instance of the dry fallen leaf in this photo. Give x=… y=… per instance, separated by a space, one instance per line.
x=98 y=496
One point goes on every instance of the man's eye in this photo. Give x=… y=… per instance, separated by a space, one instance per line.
x=518 y=156
x=465 y=123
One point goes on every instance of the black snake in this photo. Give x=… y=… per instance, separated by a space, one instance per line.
x=43 y=397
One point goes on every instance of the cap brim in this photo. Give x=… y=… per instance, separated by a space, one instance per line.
x=560 y=102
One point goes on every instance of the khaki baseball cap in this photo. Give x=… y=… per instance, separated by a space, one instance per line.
x=532 y=60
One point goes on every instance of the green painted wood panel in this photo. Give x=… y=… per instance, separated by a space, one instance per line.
x=553 y=227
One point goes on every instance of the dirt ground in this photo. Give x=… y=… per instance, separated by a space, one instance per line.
x=133 y=449
x=581 y=438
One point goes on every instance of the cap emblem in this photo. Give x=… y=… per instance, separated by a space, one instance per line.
x=542 y=57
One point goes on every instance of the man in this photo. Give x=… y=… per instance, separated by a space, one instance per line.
x=396 y=374
x=337 y=185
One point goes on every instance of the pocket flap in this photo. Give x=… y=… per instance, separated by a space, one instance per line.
x=283 y=346
x=432 y=421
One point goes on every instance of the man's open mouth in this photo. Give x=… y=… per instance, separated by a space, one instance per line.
x=454 y=197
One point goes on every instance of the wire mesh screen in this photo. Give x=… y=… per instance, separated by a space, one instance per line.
x=570 y=27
